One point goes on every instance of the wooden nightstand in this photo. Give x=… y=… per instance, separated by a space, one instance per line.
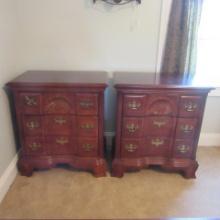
x=158 y=122
x=60 y=119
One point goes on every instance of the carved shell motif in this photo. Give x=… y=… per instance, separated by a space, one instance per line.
x=58 y=104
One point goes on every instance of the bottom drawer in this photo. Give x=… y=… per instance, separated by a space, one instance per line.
x=183 y=148
x=34 y=146
x=157 y=146
x=58 y=145
x=131 y=148
x=87 y=147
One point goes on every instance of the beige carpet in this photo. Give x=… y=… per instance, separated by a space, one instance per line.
x=62 y=193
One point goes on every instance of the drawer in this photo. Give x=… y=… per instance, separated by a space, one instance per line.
x=162 y=105
x=132 y=127
x=87 y=147
x=60 y=125
x=87 y=126
x=134 y=105
x=60 y=145
x=159 y=126
x=32 y=125
x=131 y=148
x=34 y=146
x=30 y=103
x=58 y=103
x=183 y=148
x=186 y=128
x=190 y=106
x=157 y=146
x=86 y=104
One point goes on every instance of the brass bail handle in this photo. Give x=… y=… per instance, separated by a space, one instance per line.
x=30 y=100
x=132 y=128
x=134 y=105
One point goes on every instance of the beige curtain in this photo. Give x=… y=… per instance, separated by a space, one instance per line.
x=180 y=49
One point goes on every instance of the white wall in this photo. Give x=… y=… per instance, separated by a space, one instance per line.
x=8 y=36
x=76 y=34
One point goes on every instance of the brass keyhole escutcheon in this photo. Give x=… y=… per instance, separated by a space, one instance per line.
x=157 y=142
x=159 y=124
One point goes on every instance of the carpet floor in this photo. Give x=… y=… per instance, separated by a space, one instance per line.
x=150 y=193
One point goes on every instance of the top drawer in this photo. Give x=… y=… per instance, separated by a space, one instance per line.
x=160 y=104
x=30 y=103
x=152 y=104
x=190 y=106
x=86 y=104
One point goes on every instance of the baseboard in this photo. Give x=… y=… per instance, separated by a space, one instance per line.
x=209 y=139
x=206 y=139
x=8 y=177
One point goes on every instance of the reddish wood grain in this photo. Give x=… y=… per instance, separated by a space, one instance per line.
x=164 y=115
x=60 y=119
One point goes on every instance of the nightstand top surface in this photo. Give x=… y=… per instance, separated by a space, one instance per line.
x=57 y=78
x=152 y=80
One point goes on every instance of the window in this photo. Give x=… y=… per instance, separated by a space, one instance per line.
x=208 y=60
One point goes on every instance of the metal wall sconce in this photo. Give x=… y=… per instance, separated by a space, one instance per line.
x=118 y=2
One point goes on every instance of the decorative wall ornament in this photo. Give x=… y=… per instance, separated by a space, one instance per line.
x=118 y=2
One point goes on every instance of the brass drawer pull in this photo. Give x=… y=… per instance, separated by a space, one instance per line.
x=186 y=128
x=159 y=124
x=132 y=128
x=34 y=146
x=183 y=148
x=62 y=141
x=60 y=120
x=30 y=100
x=134 y=105
x=33 y=125
x=130 y=147
x=157 y=142
x=87 y=126
x=190 y=107
x=86 y=104
x=88 y=147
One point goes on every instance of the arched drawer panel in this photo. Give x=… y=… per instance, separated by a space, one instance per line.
x=59 y=103
x=162 y=105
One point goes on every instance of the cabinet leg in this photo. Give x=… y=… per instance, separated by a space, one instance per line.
x=117 y=170
x=190 y=172
x=99 y=170
x=25 y=168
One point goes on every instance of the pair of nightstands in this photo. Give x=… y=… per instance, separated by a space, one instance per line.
x=60 y=117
